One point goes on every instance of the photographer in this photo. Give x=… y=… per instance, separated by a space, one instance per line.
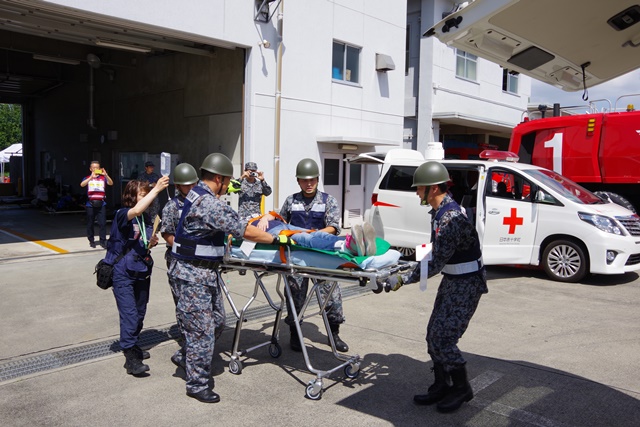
x=252 y=187
x=96 y=206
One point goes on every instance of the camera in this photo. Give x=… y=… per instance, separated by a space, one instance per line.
x=99 y=172
x=253 y=174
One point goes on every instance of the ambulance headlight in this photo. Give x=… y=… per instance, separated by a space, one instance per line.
x=601 y=222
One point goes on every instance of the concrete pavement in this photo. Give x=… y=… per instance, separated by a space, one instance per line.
x=539 y=353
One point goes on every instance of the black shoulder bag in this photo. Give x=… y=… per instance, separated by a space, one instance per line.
x=104 y=271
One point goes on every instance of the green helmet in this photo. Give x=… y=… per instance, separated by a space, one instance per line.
x=307 y=168
x=218 y=164
x=185 y=174
x=430 y=173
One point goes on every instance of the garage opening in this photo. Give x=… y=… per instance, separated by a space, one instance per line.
x=116 y=94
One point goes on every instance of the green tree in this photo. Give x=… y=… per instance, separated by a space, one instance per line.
x=10 y=125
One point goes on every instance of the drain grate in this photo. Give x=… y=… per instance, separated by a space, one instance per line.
x=148 y=338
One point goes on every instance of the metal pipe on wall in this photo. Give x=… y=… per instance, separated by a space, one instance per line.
x=278 y=96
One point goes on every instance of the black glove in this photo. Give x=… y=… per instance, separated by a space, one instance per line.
x=393 y=283
x=282 y=240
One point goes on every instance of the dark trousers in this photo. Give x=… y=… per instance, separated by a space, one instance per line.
x=132 y=297
x=455 y=304
x=101 y=215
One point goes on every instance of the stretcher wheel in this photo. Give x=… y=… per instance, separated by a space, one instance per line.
x=275 y=350
x=314 y=391
x=352 y=371
x=235 y=367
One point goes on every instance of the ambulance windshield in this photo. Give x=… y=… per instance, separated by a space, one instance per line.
x=565 y=187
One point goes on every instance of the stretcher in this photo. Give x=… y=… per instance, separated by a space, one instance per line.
x=319 y=267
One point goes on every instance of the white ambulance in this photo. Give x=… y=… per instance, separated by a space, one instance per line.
x=524 y=214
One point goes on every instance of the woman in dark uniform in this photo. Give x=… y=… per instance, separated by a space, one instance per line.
x=128 y=250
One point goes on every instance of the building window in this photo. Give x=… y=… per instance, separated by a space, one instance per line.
x=331 y=174
x=510 y=81
x=346 y=63
x=466 y=65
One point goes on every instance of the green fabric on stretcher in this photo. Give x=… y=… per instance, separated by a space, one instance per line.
x=382 y=246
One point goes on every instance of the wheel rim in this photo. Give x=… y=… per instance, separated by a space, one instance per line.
x=564 y=261
x=406 y=251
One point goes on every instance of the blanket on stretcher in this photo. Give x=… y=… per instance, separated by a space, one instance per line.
x=308 y=257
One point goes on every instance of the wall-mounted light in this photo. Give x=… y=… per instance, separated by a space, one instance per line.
x=349 y=147
x=129 y=47
x=57 y=59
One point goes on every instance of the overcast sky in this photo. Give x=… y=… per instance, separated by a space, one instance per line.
x=543 y=93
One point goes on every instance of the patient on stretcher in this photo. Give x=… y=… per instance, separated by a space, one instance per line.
x=361 y=242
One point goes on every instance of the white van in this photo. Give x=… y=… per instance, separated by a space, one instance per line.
x=524 y=214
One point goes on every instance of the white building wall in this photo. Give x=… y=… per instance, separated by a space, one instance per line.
x=312 y=104
x=483 y=98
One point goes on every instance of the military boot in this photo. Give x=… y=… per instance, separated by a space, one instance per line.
x=459 y=393
x=142 y=354
x=133 y=364
x=295 y=340
x=438 y=390
x=341 y=346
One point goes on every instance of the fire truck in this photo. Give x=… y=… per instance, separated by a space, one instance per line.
x=598 y=150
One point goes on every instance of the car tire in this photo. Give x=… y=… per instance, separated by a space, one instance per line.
x=565 y=261
x=617 y=199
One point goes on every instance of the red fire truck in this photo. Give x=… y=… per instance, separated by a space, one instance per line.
x=600 y=151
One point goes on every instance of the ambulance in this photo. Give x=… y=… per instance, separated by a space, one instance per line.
x=524 y=214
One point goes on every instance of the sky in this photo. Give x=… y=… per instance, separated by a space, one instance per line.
x=543 y=93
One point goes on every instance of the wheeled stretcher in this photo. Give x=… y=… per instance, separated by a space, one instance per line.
x=318 y=267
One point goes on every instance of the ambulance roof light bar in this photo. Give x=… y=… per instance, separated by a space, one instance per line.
x=499 y=156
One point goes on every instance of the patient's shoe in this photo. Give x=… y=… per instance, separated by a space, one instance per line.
x=369 y=239
x=358 y=236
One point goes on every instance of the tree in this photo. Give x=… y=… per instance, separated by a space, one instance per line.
x=10 y=125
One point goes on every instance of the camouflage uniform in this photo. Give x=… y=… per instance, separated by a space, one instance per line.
x=250 y=197
x=200 y=310
x=170 y=218
x=458 y=295
x=299 y=285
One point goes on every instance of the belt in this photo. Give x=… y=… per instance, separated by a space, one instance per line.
x=139 y=274
x=201 y=263
x=463 y=267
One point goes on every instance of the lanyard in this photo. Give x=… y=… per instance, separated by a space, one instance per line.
x=143 y=232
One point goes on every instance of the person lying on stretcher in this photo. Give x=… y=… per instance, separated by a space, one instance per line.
x=361 y=241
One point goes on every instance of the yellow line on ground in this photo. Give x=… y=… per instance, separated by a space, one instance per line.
x=36 y=241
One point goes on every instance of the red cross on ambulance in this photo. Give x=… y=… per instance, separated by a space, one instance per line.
x=513 y=220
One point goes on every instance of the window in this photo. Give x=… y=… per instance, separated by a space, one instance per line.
x=466 y=65
x=331 y=172
x=345 y=63
x=399 y=178
x=510 y=81
x=508 y=185
x=355 y=174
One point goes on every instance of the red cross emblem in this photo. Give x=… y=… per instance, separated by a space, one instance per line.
x=513 y=220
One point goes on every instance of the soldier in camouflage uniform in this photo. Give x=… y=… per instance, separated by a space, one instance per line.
x=312 y=209
x=252 y=187
x=198 y=247
x=457 y=254
x=184 y=178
